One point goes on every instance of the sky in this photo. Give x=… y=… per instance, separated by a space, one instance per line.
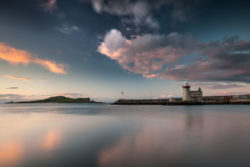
x=144 y=48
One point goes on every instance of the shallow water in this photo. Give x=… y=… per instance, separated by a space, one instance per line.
x=34 y=135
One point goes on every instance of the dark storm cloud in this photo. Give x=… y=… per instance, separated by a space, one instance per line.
x=154 y=55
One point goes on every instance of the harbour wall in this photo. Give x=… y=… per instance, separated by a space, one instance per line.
x=231 y=99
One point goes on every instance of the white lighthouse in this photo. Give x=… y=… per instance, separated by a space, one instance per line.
x=186 y=92
x=191 y=95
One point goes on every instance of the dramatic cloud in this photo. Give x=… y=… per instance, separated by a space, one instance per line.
x=140 y=12
x=180 y=56
x=17 y=56
x=13 y=87
x=17 y=77
x=48 y=5
x=148 y=53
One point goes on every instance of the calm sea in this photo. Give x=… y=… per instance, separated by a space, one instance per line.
x=72 y=135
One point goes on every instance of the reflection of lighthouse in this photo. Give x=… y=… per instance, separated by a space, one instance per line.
x=186 y=91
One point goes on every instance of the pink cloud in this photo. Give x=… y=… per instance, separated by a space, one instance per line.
x=48 y=5
x=17 y=77
x=169 y=56
x=144 y=54
x=18 y=56
x=150 y=75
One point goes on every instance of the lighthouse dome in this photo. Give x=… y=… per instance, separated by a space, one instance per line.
x=186 y=84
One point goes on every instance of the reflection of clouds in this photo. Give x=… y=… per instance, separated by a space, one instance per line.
x=188 y=139
x=10 y=153
x=152 y=144
x=51 y=140
x=40 y=132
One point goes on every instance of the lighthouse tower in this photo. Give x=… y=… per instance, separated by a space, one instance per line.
x=186 y=91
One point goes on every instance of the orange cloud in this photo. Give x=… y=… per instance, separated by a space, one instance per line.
x=14 y=56
x=17 y=77
x=150 y=75
x=51 y=66
x=51 y=140
x=17 y=56
x=10 y=153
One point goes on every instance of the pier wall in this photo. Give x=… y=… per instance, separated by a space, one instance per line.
x=231 y=99
x=141 y=101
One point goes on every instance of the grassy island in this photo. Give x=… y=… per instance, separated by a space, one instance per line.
x=60 y=99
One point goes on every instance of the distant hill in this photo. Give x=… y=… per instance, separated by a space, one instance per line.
x=61 y=99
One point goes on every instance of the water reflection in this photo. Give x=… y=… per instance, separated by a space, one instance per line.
x=194 y=121
x=65 y=135
x=158 y=143
x=10 y=152
x=51 y=139
x=186 y=140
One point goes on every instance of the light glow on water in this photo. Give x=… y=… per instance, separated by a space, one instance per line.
x=106 y=135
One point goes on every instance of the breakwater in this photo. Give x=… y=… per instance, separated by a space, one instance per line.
x=206 y=100
x=142 y=101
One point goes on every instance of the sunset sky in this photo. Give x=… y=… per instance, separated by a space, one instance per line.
x=145 y=48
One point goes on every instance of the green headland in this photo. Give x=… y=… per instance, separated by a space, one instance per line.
x=60 y=99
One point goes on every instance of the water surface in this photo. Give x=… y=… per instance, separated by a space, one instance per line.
x=50 y=135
